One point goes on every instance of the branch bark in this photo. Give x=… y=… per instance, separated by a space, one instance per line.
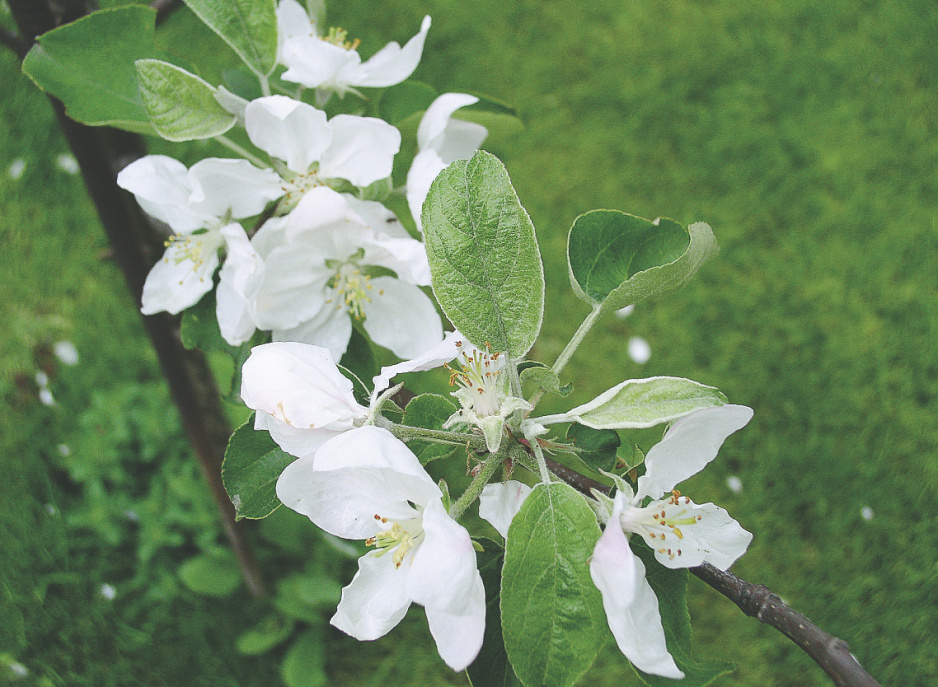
x=757 y=601
x=133 y=243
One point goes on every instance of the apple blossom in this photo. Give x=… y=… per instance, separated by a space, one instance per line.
x=366 y=484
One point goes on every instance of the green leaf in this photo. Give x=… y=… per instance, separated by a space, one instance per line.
x=248 y=26
x=545 y=378
x=405 y=99
x=305 y=662
x=491 y=667
x=253 y=463
x=89 y=65
x=552 y=614
x=211 y=574
x=637 y=403
x=429 y=411
x=264 y=636
x=597 y=446
x=181 y=106
x=307 y=597
x=616 y=259
x=486 y=269
x=359 y=360
x=670 y=586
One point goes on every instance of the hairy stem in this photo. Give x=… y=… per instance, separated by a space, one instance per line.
x=569 y=349
x=492 y=462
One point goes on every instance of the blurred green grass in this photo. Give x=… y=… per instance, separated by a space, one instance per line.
x=804 y=133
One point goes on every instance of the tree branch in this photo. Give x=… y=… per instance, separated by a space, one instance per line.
x=755 y=600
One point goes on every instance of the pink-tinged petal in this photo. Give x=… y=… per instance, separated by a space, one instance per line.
x=392 y=64
x=423 y=170
x=331 y=329
x=714 y=537
x=458 y=637
x=238 y=281
x=300 y=385
x=288 y=129
x=401 y=317
x=295 y=441
x=362 y=149
x=374 y=602
x=687 y=446
x=315 y=63
x=223 y=185
x=162 y=187
x=431 y=358
x=630 y=603
x=183 y=275
x=499 y=503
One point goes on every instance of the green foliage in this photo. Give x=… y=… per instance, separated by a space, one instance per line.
x=211 y=574
x=553 y=620
x=637 y=403
x=487 y=273
x=181 y=106
x=253 y=462
x=617 y=259
x=491 y=667
x=248 y=26
x=89 y=65
x=429 y=411
x=305 y=662
x=264 y=636
x=597 y=446
x=545 y=378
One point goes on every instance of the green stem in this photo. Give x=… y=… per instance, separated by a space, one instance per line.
x=247 y=155
x=569 y=349
x=406 y=433
x=541 y=463
x=488 y=468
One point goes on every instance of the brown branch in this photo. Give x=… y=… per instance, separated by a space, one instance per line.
x=187 y=373
x=755 y=600
x=164 y=8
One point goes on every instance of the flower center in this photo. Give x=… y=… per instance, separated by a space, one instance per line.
x=338 y=36
x=353 y=288
x=661 y=520
x=402 y=537
x=479 y=374
x=191 y=247
x=296 y=186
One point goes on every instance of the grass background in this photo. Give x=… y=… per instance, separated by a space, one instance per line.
x=803 y=132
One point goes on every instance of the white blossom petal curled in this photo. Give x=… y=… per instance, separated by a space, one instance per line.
x=433 y=357
x=392 y=64
x=500 y=503
x=239 y=279
x=288 y=129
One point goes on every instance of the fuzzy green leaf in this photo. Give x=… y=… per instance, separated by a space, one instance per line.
x=181 y=106
x=429 y=411
x=616 y=259
x=253 y=463
x=486 y=268
x=89 y=65
x=542 y=376
x=637 y=403
x=552 y=613
x=491 y=667
x=248 y=26
x=597 y=446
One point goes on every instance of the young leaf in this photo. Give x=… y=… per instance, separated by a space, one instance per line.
x=211 y=574
x=181 y=106
x=647 y=402
x=552 y=614
x=616 y=259
x=248 y=26
x=253 y=462
x=486 y=268
x=597 y=446
x=89 y=65
x=670 y=586
x=491 y=667
x=544 y=377
x=199 y=328
x=305 y=662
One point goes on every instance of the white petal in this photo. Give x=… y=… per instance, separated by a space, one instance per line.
x=362 y=149
x=317 y=64
x=424 y=169
x=687 y=446
x=321 y=215
x=300 y=385
x=183 y=275
x=392 y=64
x=238 y=280
x=401 y=317
x=294 y=440
x=630 y=603
x=382 y=221
x=293 y=288
x=715 y=538
x=374 y=602
x=233 y=185
x=406 y=256
x=331 y=329
x=499 y=503
x=431 y=358
x=374 y=447
x=292 y=20
x=437 y=117
x=162 y=187
x=459 y=636
x=288 y=129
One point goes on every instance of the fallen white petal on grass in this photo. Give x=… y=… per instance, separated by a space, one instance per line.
x=67 y=163
x=639 y=350
x=64 y=450
x=42 y=379
x=107 y=591
x=66 y=352
x=46 y=398
x=734 y=483
x=867 y=513
x=17 y=167
x=622 y=313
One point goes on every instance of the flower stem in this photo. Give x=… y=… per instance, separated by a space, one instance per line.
x=247 y=155
x=488 y=468
x=407 y=433
x=569 y=349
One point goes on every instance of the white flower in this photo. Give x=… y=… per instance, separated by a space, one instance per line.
x=499 y=503
x=318 y=280
x=360 y=150
x=366 y=484
x=196 y=203
x=440 y=141
x=330 y=63
x=300 y=396
x=681 y=533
